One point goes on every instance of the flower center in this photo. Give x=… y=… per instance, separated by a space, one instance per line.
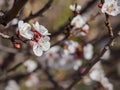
x=37 y=35
x=110 y=8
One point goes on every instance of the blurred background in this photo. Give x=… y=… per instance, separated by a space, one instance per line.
x=18 y=66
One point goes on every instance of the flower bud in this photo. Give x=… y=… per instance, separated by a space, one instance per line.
x=17 y=45
x=100 y=5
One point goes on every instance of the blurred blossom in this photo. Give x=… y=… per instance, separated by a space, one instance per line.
x=30 y=65
x=14 y=21
x=106 y=55
x=106 y=84
x=75 y=7
x=71 y=46
x=77 y=64
x=38 y=35
x=32 y=80
x=111 y=7
x=12 y=85
x=64 y=58
x=77 y=21
x=88 y=51
x=97 y=74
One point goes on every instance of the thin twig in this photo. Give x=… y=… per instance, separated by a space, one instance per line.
x=108 y=25
x=4 y=36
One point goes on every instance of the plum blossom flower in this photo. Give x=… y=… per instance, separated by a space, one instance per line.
x=24 y=30
x=84 y=31
x=71 y=46
x=38 y=35
x=111 y=7
x=77 y=21
x=97 y=74
x=75 y=7
x=88 y=51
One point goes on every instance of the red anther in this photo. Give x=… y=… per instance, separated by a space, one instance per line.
x=37 y=35
x=100 y=5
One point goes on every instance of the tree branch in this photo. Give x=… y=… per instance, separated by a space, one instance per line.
x=13 y=12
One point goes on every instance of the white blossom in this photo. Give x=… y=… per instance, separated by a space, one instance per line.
x=38 y=35
x=88 y=51
x=72 y=45
x=84 y=31
x=25 y=30
x=105 y=82
x=97 y=74
x=75 y=7
x=12 y=85
x=78 y=21
x=42 y=45
x=77 y=64
x=30 y=65
x=111 y=7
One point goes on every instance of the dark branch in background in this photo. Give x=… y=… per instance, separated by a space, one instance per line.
x=13 y=12
x=40 y=12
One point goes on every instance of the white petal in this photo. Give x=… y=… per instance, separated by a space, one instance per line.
x=37 y=49
x=41 y=29
x=111 y=7
x=36 y=26
x=46 y=46
x=88 y=51
x=25 y=30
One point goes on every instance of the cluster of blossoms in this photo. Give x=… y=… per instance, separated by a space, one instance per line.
x=97 y=74
x=79 y=22
x=111 y=7
x=69 y=56
x=37 y=34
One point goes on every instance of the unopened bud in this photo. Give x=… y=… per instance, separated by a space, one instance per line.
x=17 y=45
x=100 y=5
